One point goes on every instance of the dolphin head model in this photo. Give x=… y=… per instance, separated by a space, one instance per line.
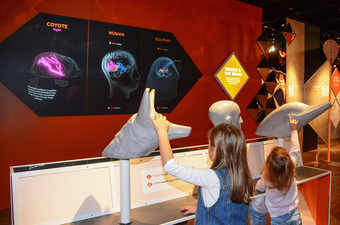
x=276 y=124
x=138 y=137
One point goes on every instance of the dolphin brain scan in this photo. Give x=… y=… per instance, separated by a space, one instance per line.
x=163 y=77
x=163 y=72
x=164 y=67
x=54 y=65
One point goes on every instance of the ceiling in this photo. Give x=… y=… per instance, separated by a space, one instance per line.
x=324 y=14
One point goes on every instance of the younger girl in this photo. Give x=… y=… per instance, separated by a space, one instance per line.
x=226 y=188
x=278 y=180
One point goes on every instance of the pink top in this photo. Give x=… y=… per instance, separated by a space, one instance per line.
x=278 y=202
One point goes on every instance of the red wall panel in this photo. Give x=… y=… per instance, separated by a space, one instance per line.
x=208 y=30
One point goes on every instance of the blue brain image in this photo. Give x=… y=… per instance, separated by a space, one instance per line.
x=163 y=77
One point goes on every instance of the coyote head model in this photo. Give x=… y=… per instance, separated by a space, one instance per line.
x=138 y=137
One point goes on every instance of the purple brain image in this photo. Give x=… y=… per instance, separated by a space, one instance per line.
x=120 y=69
x=115 y=69
x=163 y=77
x=54 y=65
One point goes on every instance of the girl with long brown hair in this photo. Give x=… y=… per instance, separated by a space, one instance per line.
x=279 y=182
x=226 y=188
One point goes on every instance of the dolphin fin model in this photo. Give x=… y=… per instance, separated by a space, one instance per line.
x=276 y=124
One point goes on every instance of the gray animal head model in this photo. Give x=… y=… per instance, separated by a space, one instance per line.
x=225 y=112
x=276 y=124
x=138 y=137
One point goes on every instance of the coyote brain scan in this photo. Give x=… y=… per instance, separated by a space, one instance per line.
x=54 y=65
x=163 y=77
x=121 y=72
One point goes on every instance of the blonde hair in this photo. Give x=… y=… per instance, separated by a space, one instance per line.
x=231 y=154
x=279 y=170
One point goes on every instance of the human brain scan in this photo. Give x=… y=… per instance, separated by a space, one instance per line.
x=115 y=69
x=120 y=69
x=116 y=63
x=54 y=65
x=163 y=77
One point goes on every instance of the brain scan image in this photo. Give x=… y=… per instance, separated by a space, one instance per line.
x=120 y=69
x=163 y=77
x=54 y=65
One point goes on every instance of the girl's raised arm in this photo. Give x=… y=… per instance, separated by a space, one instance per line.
x=162 y=125
x=293 y=124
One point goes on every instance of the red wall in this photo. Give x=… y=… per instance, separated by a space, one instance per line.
x=208 y=30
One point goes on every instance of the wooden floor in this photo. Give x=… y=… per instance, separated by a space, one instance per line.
x=314 y=158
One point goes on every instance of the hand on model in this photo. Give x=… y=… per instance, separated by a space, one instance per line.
x=293 y=124
x=160 y=123
x=188 y=210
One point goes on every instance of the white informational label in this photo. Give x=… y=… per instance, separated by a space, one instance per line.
x=291 y=90
x=335 y=112
x=325 y=91
x=155 y=179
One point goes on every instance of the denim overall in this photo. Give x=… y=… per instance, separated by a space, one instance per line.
x=224 y=211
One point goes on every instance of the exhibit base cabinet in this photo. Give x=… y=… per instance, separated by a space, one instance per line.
x=87 y=191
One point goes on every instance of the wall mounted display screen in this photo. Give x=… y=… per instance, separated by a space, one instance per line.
x=62 y=66
x=167 y=68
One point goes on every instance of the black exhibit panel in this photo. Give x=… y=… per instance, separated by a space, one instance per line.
x=44 y=64
x=167 y=68
x=63 y=66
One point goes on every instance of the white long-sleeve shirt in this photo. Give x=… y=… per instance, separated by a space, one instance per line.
x=278 y=202
x=206 y=178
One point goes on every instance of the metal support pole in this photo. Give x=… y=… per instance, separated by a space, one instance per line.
x=281 y=142
x=125 y=191
x=329 y=114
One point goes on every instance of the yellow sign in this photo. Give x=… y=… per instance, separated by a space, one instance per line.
x=232 y=76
